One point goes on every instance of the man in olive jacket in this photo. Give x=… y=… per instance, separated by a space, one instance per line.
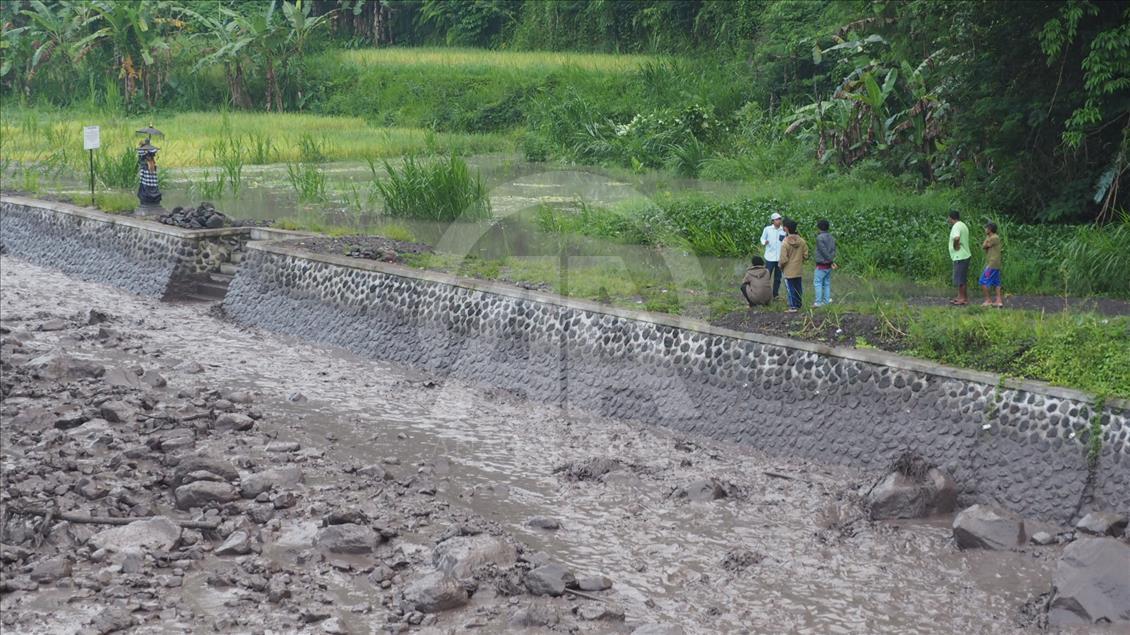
x=794 y=251
x=756 y=285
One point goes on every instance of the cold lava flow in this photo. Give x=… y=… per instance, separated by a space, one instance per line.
x=356 y=496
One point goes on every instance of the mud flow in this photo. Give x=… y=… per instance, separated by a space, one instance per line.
x=691 y=534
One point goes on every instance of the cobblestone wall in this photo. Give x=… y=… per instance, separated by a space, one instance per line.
x=1024 y=449
x=140 y=256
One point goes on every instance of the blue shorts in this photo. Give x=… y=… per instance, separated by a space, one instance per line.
x=990 y=278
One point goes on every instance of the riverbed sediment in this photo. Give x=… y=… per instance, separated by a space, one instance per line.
x=700 y=534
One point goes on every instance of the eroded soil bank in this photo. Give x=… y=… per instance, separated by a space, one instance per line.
x=704 y=536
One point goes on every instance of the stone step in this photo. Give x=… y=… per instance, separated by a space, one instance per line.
x=236 y=257
x=221 y=278
x=218 y=289
x=201 y=298
x=228 y=268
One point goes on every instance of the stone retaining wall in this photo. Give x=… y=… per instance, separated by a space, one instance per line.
x=141 y=256
x=1022 y=445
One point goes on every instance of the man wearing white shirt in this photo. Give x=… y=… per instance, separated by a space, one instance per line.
x=771 y=238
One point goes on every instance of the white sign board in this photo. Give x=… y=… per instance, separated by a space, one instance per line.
x=91 y=138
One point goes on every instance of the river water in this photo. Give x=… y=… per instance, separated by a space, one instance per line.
x=787 y=551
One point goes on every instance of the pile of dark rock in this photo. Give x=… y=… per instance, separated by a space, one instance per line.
x=1091 y=584
x=203 y=216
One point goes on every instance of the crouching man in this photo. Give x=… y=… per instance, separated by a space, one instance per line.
x=757 y=284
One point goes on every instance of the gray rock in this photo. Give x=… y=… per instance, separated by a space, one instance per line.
x=71 y=418
x=201 y=493
x=597 y=612
x=154 y=379
x=435 y=592
x=594 y=583
x=54 y=324
x=204 y=463
x=158 y=534
x=51 y=569
x=275 y=479
x=702 y=490
x=903 y=496
x=548 y=579
x=296 y=397
x=124 y=377
x=461 y=555
x=543 y=522
x=347 y=538
x=1091 y=584
x=57 y=364
x=93 y=316
x=282 y=446
x=1102 y=524
x=1042 y=538
x=234 y=421
x=131 y=561
x=537 y=614
x=117 y=411
x=237 y=544
x=984 y=527
x=191 y=368
x=658 y=629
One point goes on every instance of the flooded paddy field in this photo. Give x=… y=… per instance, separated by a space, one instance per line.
x=695 y=535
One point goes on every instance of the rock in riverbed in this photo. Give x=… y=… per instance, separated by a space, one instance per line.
x=549 y=579
x=902 y=495
x=435 y=592
x=1091 y=584
x=984 y=527
x=347 y=538
x=1102 y=524
x=158 y=533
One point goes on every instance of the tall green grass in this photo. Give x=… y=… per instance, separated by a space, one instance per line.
x=442 y=190
x=116 y=169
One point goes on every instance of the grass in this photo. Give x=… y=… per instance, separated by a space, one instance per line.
x=464 y=58
x=1079 y=350
x=191 y=137
x=442 y=190
x=109 y=202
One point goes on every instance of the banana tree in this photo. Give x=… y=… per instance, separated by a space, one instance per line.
x=56 y=31
x=231 y=50
x=133 y=33
x=300 y=28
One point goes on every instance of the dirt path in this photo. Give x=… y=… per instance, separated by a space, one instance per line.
x=412 y=468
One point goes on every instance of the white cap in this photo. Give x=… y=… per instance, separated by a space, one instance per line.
x=775 y=216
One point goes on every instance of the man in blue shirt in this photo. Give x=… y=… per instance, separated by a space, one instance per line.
x=771 y=238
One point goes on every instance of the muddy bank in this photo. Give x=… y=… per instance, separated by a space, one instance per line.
x=784 y=549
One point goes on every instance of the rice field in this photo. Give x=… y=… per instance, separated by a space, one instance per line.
x=543 y=61
x=194 y=139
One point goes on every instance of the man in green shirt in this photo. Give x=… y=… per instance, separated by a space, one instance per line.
x=960 y=255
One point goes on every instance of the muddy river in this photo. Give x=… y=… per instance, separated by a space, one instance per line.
x=786 y=551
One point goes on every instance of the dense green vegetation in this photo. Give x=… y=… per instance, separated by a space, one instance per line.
x=1023 y=106
x=879 y=115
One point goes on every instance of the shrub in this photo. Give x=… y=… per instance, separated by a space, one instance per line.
x=117 y=170
x=442 y=190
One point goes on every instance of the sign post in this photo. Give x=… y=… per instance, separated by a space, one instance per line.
x=91 y=139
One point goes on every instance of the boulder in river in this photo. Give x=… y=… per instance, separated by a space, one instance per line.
x=347 y=538
x=702 y=490
x=435 y=592
x=1102 y=524
x=201 y=493
x=549 y=579
x=985 y=527
x=1091 y=584
x=157 y=533
x=914 y=488
x=461 y=555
